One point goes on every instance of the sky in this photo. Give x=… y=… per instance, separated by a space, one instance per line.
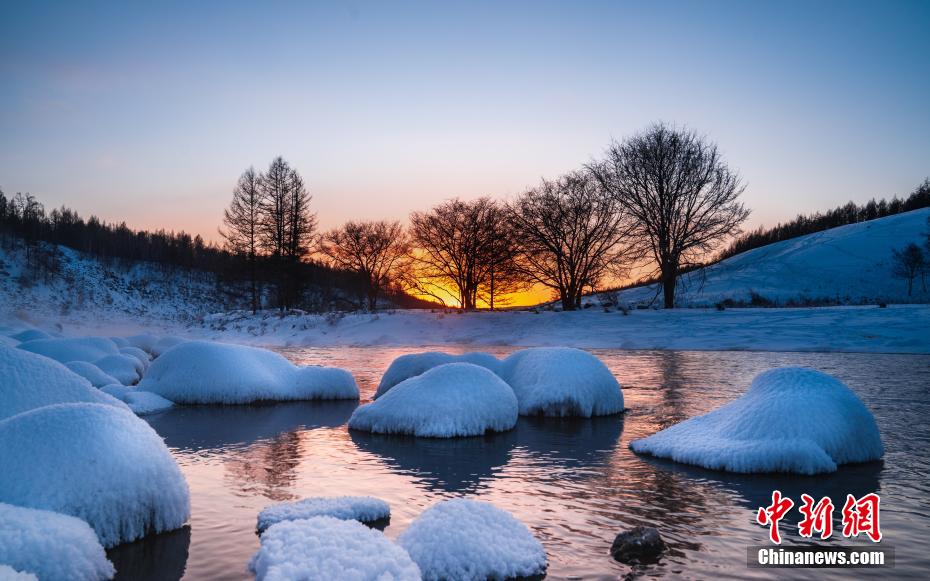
x=148 y=111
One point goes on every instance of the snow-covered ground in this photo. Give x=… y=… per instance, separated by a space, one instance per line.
x=845 y=265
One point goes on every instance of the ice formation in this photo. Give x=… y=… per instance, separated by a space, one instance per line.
x=466 y=539
x=205 y=372
x=51 y=546
x=561 y=381
x=96 y=462
x=364 y=509
x=88 y=349
x=91 y=373
x=127 y=370
x=455 y=399
x=323 y=547
x=29 y=381
x=413 y=364
x=791 y=419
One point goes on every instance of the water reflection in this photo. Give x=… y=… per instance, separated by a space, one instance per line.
x=155 y=558
x=268 y=468
x=200 y=428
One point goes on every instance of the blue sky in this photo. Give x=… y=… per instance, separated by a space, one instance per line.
x=148 y=111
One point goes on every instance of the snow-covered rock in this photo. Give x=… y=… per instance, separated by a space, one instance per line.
x=413 y=364
x=29 y=381
x=791 y=419
x=96 y=462
x=323 y=547
x=206 y=372
x=455 y=399
x=8 y=573
x=91 y=373
x=365 y=509
x=30 y=335
x=143 y=357
x=120 y=342
x=88 y=349
x=165 y=343
x=466 y=539
x=51 y=546
x=140 y=402
x=127 y=370
x=561 y=381
x=144 y=341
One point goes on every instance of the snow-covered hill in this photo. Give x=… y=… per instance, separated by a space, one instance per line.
x=845 y=265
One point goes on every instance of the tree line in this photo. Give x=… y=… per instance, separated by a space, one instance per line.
x=664 y=197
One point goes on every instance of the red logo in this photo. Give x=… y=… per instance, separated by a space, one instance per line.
x=773 y=513
x=859 y=516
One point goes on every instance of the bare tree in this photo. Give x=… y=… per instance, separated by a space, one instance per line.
x=243 y=220
x=907 y=264
x=681 y=194
x=572 y=233
x=374 y=250
x=451 y=246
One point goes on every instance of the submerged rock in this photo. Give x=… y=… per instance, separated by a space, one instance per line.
x=638 y=545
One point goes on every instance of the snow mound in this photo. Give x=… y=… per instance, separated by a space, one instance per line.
x=413 y=364
x=166 y=343
x=29 y=381
x=96 y=462
x=30 y=335
x=91 y=373
x=455 y=399
x=143 y=357
x=127 y=370
x=143 y=341
x=466 y=539
x=323 y=547
x=50 y=546
x=8 y=573
x=791 y=419
x=120 y=342
x=206 y=372
x=364 y=509
x=561 y=381
x=88 y=349
x=140 y=402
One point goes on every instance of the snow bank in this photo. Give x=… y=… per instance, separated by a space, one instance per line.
x=455 y=399
x=127 y=370
x=323 y=547
x=560 y=381
x=29 y=381
x=413 y=364
x=91 y=373
x=790 y=420
x=206 y=372
x=364 y=509
x=140 y=402
x=466 y=539
x=88 y=349
x=49 y=545
x=96 y=462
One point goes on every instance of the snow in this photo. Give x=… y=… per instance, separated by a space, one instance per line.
x=127 y=370
x=563 y=381
x=364 y=509
x=120 y=342
x=143 y=341
x=791 y=419
x=413 y=364
x=30 y=335
x=143 y=357
x=91 y=373
x=323 y=547
x=98 y=463
x=8 y=573
x=29 y=381
x=455 y=399
x=140 y=402
x=466 y=539
x=207 y=372
x=88 y=349
x=51 y=546
x=165 y=343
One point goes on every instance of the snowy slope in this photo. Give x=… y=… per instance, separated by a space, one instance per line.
x=846 y=265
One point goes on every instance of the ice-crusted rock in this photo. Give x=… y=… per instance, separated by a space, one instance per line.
x=29 y=381
x=561 y=381
x=637 y=546
x=96 y=462
x=455 y=399
x=323 y=547
x=466 y=540
x=88 y=349
x=413 y=364
x=49 y=546
x=91 y=373
x=791 y=419
x=365 y=509
x=205 y=372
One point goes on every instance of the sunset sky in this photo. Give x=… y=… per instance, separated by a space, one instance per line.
x=148 y=112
